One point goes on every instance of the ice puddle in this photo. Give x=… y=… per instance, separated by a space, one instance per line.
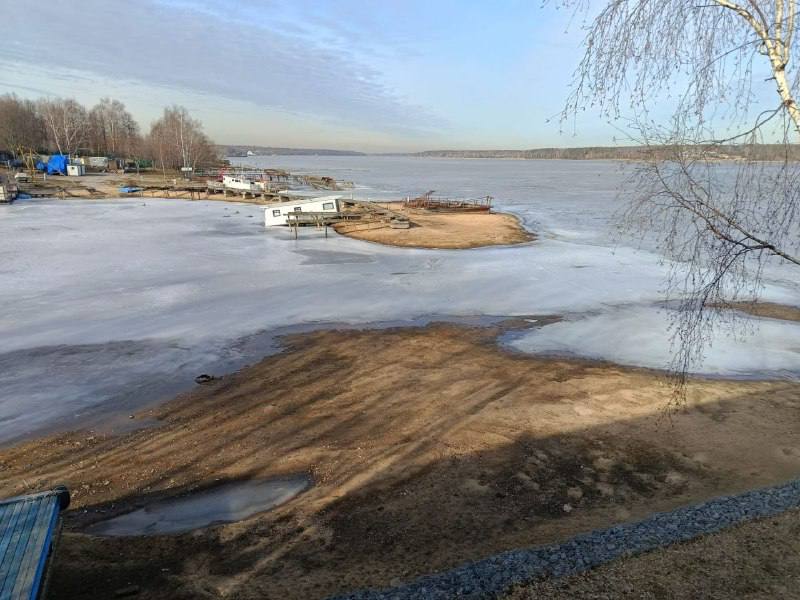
x=223 y=504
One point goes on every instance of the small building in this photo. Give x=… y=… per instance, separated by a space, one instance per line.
x=276 y=213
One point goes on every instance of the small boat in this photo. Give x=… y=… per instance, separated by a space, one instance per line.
x=241 y=183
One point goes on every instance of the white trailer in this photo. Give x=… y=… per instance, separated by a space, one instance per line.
x=275 y=214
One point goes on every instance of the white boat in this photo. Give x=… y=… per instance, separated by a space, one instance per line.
x=234 y=182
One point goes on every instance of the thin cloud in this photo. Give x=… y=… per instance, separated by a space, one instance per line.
x=176 y=46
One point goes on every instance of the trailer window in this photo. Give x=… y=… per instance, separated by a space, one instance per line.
x=297 y=209
x=276 y=212
x=327 y=206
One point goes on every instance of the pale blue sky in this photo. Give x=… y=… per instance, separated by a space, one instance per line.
x=375 y=76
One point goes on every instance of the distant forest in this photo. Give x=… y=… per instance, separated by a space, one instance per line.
x=755 y=152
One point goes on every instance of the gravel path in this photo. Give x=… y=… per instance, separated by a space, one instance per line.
x=492 y=576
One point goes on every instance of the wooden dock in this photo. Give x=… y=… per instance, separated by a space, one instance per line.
x=29 y=526
x=355 y=211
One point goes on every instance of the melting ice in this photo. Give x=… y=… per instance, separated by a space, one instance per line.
x=110 y=305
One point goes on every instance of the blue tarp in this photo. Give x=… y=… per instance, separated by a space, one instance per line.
x=130 y=190
x=41 y=166
x=57 y=165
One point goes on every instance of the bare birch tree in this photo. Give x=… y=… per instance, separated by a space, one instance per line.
x=66 y=122
x=693 y=79
x=177 y=140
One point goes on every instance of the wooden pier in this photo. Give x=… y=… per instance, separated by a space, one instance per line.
x=354 y=211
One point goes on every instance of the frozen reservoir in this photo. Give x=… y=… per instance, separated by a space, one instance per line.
x=116 y=304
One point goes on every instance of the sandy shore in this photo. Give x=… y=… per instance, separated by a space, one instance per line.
x=429 y=447
x=769 y=310
x=443 y=230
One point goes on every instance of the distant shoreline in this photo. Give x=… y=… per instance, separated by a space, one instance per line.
x=760 y=152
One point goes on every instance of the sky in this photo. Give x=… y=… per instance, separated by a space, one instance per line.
x=386 y=75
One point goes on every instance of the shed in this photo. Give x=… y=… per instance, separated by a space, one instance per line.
x=276 y=213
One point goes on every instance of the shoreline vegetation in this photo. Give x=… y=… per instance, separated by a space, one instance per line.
x=505 y=450
x=758 y=152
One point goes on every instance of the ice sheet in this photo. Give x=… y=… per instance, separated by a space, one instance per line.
x=113 y=304
x=641 y=336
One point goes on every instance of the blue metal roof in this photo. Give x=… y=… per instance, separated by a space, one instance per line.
x=27 y=526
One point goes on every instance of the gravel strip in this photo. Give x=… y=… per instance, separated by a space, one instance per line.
x=492 y=576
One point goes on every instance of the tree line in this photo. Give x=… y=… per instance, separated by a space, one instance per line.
x=65 y=126
x=755 y=152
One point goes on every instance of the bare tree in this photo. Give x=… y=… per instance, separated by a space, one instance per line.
x=177 y=140
x=112 y=128
x=21 y=128
x=697 y=82
x=66 y=122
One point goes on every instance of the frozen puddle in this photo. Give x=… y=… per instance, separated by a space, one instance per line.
x=223 y=504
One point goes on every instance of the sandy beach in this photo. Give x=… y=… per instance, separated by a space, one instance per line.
x=428 y=447
x=443 y=230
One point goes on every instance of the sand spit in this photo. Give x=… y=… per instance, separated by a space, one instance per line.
x=443 y=230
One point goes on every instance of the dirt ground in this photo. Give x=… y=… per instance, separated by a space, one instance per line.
x=754 y=560
x=429 y=447
x=100 y=186
x=442 y=230
x=770 y=310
